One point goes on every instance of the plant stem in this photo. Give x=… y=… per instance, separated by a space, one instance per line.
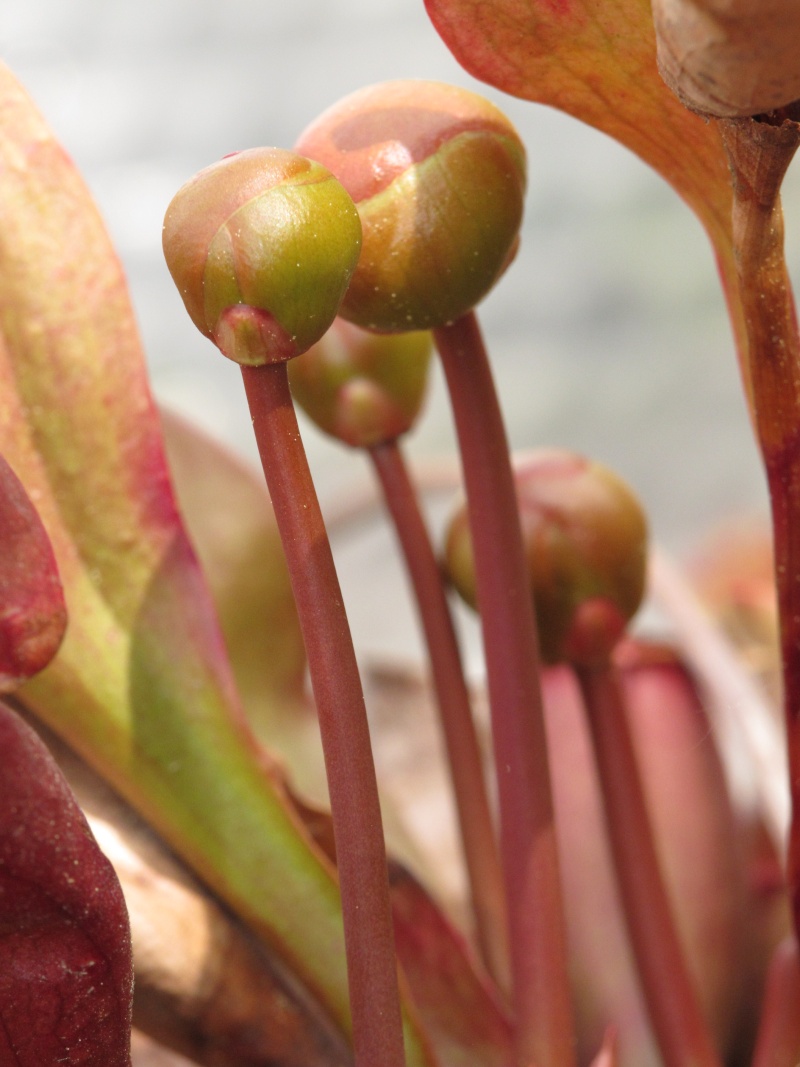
x=759 y=153
x=678 y=1022
x=778 y=1042
x=360 y=852
x=537 y=939
x=463 y=751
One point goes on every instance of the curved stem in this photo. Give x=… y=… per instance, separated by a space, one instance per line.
x=759 y=153
x=537 y=939
x=360 y=853
x=463 y=751
x=672 y=1004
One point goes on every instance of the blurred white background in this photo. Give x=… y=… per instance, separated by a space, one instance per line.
x=608 y=335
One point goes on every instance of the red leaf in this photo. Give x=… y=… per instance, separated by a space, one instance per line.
x=33 y=616
x=459 y=1009
x=66 y=971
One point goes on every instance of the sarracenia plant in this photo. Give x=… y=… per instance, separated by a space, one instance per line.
x=367 y=389
x=261 y=247
x=400 y=214
x=585 y=542
x=438 y=176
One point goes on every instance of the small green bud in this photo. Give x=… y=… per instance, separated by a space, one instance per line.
x=585 y=539
x=438 y=175
x=261 y=246
x=363 y=388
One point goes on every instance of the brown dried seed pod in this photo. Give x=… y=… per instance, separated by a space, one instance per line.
x=730 y=58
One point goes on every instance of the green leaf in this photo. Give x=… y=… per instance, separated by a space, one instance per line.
x=141 y=687
x=229 y=518
x=230 y=521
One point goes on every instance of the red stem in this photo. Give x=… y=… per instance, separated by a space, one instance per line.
x=360 y=853
x=778 y=1043
x=461 y=741
x=759 y=153
x=672 y=1004
x=537 y=939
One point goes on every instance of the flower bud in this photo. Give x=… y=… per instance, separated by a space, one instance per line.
x=363 y=388
x=438 y=176
x=585 y=540
x=261 y=246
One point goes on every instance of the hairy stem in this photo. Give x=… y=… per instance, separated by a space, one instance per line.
x=463 y=751
x=360 y=852
x=759 y=153
x=678 y=1023
x=544 y=1024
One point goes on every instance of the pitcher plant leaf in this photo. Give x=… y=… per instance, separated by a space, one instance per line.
x=33 y=615
x=596 y=60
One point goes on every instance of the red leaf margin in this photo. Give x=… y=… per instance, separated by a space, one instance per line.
x=33 y=615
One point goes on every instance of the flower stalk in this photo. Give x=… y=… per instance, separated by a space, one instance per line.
x=262 y=246
x=682 y=1032
x=367 y=390
x=585 y=545
x=528 y=846
x=759 y=152
x=360 y=853
x=464 y=755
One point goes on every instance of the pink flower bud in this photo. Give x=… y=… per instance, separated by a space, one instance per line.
x=438 y=176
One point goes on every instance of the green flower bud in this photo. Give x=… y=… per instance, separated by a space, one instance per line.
x=261 y=246
x=363 y=388
x=585 y=539
x=438 y=176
